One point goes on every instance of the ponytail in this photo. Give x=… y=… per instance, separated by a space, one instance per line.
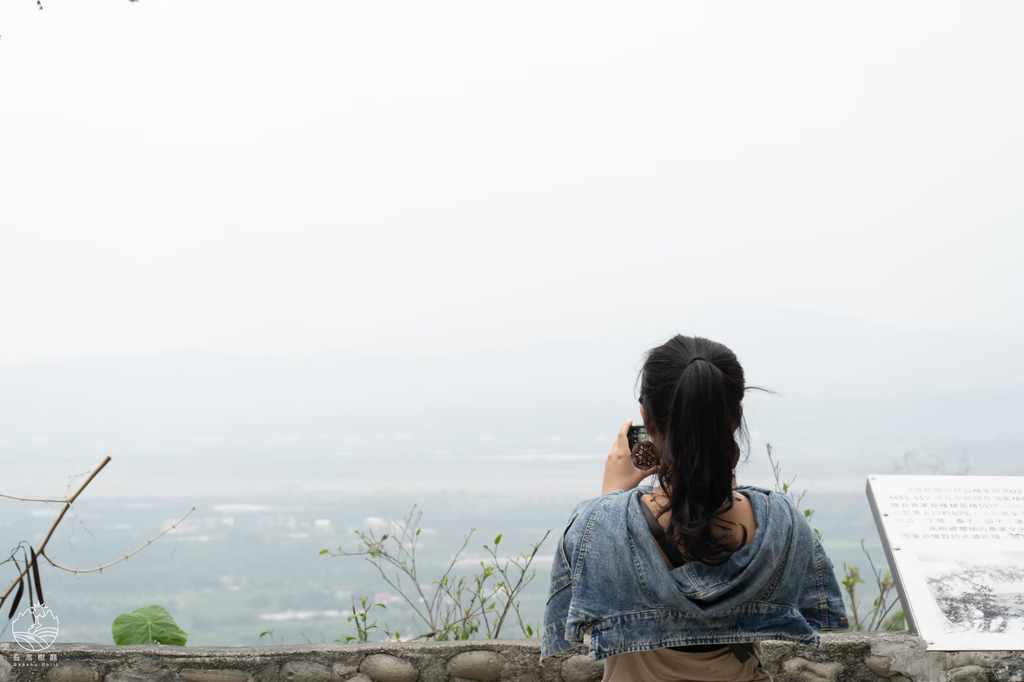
x=691 y=390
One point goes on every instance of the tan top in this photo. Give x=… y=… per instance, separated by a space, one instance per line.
x=668 y=665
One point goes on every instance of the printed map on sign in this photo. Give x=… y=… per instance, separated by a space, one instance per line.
x=955 y=545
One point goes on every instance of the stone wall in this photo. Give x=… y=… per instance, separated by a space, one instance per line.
x=843 y=657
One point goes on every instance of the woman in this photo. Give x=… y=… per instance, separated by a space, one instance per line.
x=682 y=581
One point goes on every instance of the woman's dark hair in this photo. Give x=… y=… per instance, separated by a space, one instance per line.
x=691 y=389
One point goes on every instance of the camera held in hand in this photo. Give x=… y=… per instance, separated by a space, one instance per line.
x=642 y=452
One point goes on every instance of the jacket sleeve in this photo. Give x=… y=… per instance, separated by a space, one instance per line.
x=556 y=611
x=820 y=599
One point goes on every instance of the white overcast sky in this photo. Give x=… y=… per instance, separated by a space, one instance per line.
x=290 y=177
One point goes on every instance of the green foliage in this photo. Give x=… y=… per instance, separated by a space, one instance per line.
x=459 y=609
x=887 y=597
x=884 y=602
x=148 y=625
x=360 y=618
x=786 y=488
x=895 y=622
x=491 y=592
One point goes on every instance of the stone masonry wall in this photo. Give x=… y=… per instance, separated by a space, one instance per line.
x=870 y=657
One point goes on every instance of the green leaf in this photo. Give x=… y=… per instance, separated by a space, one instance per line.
x=529 y=631
x=497 y=540
x=323 y=551
x=265 y=632
x=148 y=625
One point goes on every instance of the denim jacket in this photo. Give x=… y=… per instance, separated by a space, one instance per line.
x=609 y=576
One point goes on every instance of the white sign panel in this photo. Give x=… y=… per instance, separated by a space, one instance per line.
x=955 y=545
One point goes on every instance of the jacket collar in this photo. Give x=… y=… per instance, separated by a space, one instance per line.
x=696 y=580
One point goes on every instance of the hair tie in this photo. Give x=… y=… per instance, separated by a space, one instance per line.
x=695 y=359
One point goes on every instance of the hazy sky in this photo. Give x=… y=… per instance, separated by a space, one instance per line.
x=291 y=177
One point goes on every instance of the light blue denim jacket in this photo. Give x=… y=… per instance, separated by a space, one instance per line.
x=609 y=576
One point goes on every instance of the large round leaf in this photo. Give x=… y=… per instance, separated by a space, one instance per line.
x=148 y=625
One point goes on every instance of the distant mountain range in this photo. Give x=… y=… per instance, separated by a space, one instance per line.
x=836 y=377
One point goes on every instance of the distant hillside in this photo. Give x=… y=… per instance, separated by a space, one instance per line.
x=835 y=377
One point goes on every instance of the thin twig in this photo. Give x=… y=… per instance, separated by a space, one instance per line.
x=31 y=499
x=882 y=619
x=67 y=505
x=139 y=549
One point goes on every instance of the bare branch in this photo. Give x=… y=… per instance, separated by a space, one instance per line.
x=67 y=505
x=139 y=549
x=31 y=499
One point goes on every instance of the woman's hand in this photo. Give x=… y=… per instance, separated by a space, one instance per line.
x=619 y=472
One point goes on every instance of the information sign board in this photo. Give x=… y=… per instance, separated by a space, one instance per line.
x=955 y=545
